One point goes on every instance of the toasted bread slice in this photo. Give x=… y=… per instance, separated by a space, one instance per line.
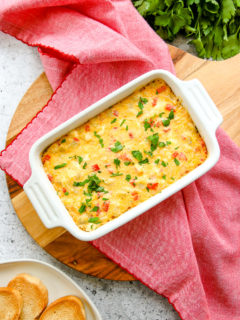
x=65 y=308
x=34 y=295
x=10 y=304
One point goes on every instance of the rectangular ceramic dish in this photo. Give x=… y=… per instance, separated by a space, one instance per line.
x=200 y=107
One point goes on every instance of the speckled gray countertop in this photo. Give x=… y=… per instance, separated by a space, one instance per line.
x=130 y=300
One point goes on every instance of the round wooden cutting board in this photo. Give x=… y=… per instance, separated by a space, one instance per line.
x=221 y=79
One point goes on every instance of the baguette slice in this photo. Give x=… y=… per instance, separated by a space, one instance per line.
x=10 y=304
x=34 y=295
x=65 y=308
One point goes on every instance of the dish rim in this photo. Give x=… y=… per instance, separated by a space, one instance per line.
x=49 y=206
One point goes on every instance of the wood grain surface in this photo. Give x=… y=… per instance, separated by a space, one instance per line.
x=221 y=79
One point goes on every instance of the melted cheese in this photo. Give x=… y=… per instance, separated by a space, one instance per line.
x=124 y=155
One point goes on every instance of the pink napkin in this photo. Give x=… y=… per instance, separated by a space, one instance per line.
x=186 y=248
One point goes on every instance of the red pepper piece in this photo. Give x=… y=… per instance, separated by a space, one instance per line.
x=170 y=107
x=45 y=158
x=152 y=186
x=76 y=139
x=161 y=89
x=95 y=167
x=105 y=206
x=87 y=127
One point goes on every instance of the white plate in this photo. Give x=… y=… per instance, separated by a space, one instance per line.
x=57 y=283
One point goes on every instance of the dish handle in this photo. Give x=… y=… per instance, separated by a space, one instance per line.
x=41 y=202
x=198 y=93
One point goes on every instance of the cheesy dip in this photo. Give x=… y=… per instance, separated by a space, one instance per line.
x=124 y=156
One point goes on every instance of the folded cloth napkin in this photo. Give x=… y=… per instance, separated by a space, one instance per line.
x=187 y=247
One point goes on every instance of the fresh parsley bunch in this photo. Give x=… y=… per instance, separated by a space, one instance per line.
x=214 y=26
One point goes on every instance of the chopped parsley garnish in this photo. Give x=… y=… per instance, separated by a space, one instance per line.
x=114 y=120
x=161 y=114
x=176 y=148
x=157 y=161
x=166 y=122
x=126 y=128
x=146 y=125
x=117 y=147
x=60 y=166
x=144 y=161
x=149 y=153
x=127 y=163
x=137 y=155
x=93 y=184
x=66 y=193
x=87 y=202
x=141 y=106
x=164 y=164
x=168 y=143
x=99 y=139
x=171 y=115
x=94 y=220
x=176 y=162
x=122 y=122
x=63 y=140
x=147 y=189
x=164 y=177
x=116 y=174
x=85 y=165
x=80 y=184
x=86 y=194
x=95 y=209
x=117 y=162
x=162 y=144
x=105 y=199
x=144 y=100
x=82 y=208
x=154 y=141
x=172 y=178
x=80 y=159
x=128 y=177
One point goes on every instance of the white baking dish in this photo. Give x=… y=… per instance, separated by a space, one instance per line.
x=44 y=197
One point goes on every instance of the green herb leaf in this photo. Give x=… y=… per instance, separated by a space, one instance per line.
x=149 y=153
x=164 y=177
x=63 y=140
x=66 y=193
x=122 y=122
x=126 y=128
x=157 y=161
x=161 y=114
x=117 y=147
x=176 y=162
x=99 y=139
x=117 y=162
x=164 y=164
x=94 y=220
x=127 y=163
x=80 y=159
x=146 y=125
x=82 y=208
x=128 y=177
x=59 y=166
x=116 y=174
x=114 y=120
x=95 y=209
x=85 y=165
x=162 y=144
x=144 y=161
x=168 y=143
x=137 y=155
x=171 y=115
x=154 y=141
x=105 y=199
x=166 y=122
